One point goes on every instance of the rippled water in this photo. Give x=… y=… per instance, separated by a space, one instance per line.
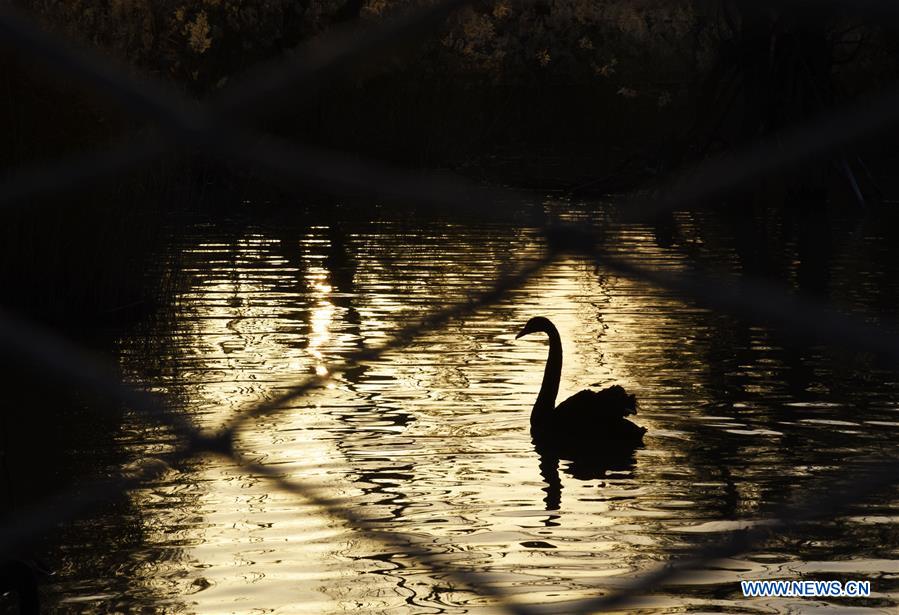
x=433 y=439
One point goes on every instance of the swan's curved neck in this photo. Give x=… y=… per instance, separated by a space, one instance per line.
x=546 y=400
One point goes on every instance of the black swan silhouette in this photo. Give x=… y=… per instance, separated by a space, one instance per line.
x=589 y=421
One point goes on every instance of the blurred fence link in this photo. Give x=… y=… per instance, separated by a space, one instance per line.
x=216 y=129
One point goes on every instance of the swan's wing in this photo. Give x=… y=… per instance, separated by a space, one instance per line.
x=611 y=403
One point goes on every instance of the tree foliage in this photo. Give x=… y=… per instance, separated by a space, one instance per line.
x=205 y=42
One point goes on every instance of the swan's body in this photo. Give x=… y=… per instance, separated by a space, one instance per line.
x=589 y=418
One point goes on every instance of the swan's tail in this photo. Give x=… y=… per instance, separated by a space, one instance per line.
x=617 y=401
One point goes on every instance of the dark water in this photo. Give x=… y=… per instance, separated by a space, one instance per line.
x=433 y=440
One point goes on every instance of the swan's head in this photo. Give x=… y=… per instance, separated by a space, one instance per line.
x=535 y=325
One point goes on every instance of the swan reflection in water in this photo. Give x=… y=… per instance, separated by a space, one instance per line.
x=581 y=467
x=589 y=428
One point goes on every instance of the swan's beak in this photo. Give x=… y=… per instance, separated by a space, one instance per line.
x=522 y=333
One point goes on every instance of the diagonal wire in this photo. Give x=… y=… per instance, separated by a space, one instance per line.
x=831 y=131
x=21 y=528
x=22 y=339
x=186 y=121
x=424 y=554
x=828 y=133
x=259 y=89
x=400 y=338
x=265 y=89
x=757 y=300
x=805 y=317
x=47 y=178
x=835 y=497
x=293 y=162
x=820 y=323
x=72 y=504
x=71 y=363
x=810 y=318
x=143 y=97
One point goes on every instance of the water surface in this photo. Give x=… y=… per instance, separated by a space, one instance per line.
x=432 y=440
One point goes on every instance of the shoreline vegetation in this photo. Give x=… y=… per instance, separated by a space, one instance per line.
x=497 y=81
x=573 y=95
x=496 y=91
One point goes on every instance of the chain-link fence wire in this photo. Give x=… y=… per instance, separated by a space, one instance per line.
x=214 y=129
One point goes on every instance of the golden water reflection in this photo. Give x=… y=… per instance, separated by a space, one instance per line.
x=432 y=440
